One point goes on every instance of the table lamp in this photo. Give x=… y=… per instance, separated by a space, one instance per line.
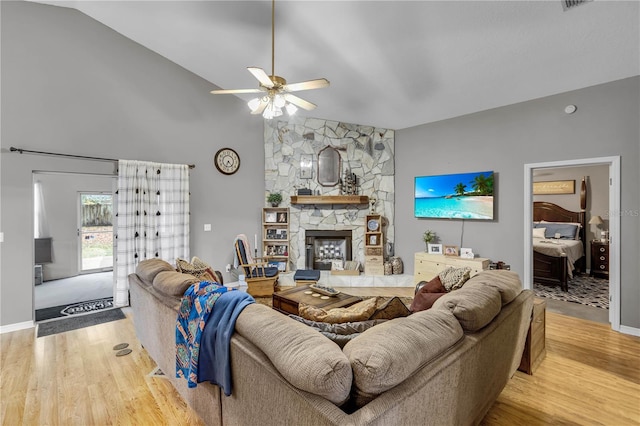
x=597 y=220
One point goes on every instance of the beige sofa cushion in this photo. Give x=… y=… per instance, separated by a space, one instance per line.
x=304 y=357
x=474 y=307
x=506 y=282
x=173 y=283
x=387 y=354
x=360 y=311
x=149 y=268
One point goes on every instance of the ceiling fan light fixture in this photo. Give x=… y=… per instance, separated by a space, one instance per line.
x=254 y=104
x=291 y=109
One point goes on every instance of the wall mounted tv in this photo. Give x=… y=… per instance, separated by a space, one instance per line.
x=455 y=196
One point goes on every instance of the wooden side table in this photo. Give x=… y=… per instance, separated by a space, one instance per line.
x=534 y=347
x=599 y=259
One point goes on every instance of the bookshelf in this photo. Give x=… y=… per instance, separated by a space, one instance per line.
x=275 y=236
x=374 y=245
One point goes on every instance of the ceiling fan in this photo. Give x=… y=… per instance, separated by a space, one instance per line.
x=274 y=90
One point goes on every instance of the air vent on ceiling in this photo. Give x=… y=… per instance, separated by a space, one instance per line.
x=569 y=4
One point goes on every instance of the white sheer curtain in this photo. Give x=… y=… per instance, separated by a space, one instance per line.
x=40 y=223
x=152 y=217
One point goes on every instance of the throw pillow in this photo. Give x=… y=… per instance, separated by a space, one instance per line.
x=427 y=295
x=199 y=264
x=149 y=268
x=187 y=267
x=539 y=232
x=340 y=333
x=173 y=283
x=361 y=311
x=454 y=278
x=390 y=309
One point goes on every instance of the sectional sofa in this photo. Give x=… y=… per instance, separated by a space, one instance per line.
x=443 y=366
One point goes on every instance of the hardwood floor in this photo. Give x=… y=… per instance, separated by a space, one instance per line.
x=590 y=375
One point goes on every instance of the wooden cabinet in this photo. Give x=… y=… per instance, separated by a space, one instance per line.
x=427 y=266
x=275 y=236
x=599 y=259
x=374 y=245
x=534 y=347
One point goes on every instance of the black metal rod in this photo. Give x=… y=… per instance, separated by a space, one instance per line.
x=28 y=151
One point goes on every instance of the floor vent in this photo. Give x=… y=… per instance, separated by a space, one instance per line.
x=570 y=4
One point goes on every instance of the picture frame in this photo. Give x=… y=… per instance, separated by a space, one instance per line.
x=282 y=218
x=466 y=253
x=306 y=166
x=270 y=217
x=434 y=248
x=551 y=187
x=451 y=250
x=373 y=240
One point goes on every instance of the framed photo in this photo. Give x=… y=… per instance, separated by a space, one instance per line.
x=467 y=253
x=306 y=165
x=270 y=217
x=435 y=248
x=451 y=250
x=373 y=240
x=282 y=218
x=554 y=187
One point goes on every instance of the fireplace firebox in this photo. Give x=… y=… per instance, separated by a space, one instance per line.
x=322 y=247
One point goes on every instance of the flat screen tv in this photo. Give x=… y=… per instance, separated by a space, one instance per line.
x=455 y=196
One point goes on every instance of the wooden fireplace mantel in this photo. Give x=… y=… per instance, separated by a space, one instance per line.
x=329 y=199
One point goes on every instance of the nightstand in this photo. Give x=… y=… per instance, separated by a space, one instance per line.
x=599 y=259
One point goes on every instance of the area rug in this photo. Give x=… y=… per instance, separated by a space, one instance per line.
x=79 y=321
x=583 y=289
x=74 y=309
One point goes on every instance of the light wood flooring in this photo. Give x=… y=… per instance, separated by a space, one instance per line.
x=591 y=375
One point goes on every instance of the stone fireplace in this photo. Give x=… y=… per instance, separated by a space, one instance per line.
x=367 y=152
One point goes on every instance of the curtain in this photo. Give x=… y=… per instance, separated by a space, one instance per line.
x=40 y=223
x=152 y=217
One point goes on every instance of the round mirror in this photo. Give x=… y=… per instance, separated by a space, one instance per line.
x=329 y=166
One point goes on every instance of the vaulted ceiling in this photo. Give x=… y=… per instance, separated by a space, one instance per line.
x=391 y=64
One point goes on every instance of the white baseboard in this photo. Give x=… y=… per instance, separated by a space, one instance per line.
x=629 y=330
x=17 y=326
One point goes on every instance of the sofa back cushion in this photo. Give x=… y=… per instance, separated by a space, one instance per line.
x=304 y=357
x=474 y=306
x=149 y=268
x=387 y=354
x=506 y=282
x=173 y=283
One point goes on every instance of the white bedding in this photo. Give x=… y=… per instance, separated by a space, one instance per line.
x=572 y=248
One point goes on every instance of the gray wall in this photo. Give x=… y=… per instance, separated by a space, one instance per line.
x=504 y=140
x=72 y=85
x=60 y=196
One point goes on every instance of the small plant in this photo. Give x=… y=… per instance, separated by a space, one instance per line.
x=429 y=236
x=274 y=198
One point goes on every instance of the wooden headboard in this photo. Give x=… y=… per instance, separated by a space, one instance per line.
x=543 y=210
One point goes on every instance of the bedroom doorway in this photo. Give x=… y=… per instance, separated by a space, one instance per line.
x=611 y=183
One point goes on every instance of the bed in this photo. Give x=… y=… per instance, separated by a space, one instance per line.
x=556 y=260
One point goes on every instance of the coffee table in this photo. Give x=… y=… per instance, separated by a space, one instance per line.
x=287 y=301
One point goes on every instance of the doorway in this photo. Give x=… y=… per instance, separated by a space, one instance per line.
x=613 y=164
x=95 y=230
x=77 y=274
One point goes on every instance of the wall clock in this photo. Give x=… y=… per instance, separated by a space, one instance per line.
x=227 y=161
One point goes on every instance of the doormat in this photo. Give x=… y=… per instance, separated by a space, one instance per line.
x=74 y=309
x=79 y=321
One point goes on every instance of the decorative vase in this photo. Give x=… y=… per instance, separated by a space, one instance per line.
x=388 y=268
x=396 y=264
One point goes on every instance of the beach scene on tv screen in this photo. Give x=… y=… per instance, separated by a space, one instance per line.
x=455 y=196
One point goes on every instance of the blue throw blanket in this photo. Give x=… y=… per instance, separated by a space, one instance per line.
x=196 y=310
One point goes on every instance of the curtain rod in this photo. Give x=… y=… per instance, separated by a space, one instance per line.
x=22 y=151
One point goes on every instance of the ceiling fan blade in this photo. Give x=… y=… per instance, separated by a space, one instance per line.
x=231 y=91
x=299 y=102
x=262 y=76
x=307 y=85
